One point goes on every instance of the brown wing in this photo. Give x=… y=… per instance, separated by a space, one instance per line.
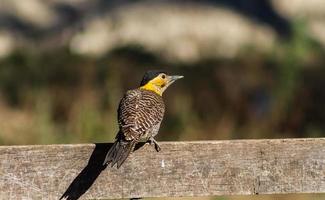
x=139 y=111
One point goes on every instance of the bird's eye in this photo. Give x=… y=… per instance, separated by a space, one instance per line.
x=163 y=76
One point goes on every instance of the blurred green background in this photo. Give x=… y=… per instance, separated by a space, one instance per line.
x=253 y=69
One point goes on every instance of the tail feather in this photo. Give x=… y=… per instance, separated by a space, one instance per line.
x=119 y=152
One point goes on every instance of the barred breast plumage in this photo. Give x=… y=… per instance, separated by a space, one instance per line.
x=140 y=112
x=139 y=116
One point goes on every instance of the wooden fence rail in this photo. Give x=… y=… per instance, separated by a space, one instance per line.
x=202 y=168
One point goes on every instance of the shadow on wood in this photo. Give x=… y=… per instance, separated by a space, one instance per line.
x=193 y=169
x=89 y=174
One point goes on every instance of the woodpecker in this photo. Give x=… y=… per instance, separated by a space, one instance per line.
x=140 y=114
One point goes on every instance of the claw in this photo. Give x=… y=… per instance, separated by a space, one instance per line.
x=157 y=147
x=153 y=141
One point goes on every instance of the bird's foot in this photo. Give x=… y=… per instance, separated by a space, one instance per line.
x=153 y=141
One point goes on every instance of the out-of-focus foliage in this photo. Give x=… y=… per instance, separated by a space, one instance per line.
x=58 y=97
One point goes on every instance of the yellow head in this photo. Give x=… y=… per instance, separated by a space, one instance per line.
x=157 y=81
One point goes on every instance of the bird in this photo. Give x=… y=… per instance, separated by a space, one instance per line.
x=140 y=114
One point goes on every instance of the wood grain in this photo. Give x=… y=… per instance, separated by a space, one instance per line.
x=237 y=167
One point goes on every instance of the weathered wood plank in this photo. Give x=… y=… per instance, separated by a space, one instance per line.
x=240 y=167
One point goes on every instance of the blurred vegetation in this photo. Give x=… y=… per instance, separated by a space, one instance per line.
x=57 y=97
